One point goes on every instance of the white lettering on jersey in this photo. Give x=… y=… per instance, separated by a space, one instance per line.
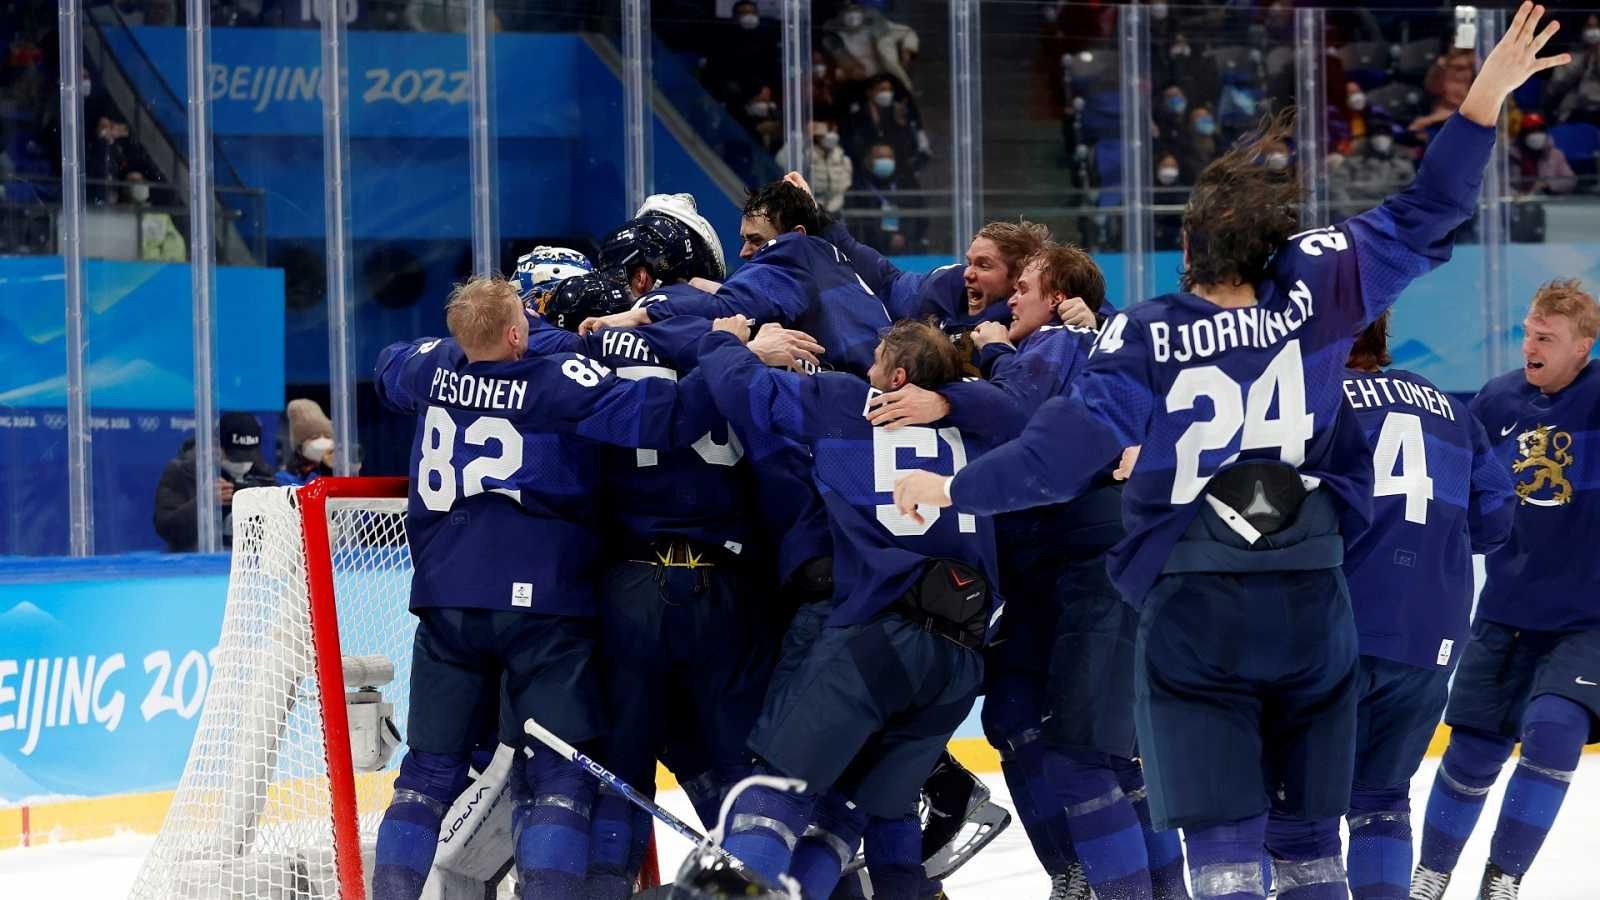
x=1226 y=329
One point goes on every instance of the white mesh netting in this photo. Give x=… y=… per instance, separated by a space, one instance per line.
x=252 y=817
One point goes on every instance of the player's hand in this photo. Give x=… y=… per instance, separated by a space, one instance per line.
x=1510 y=63
x=799 y=181
x=1130 y=458
x=1073 y=311
x=919 y=488
x=705 y=284
x=910 y=405
x=785 y=348
x=990 y=333
x=633 y=318
x=738 y=326
x=224 y=492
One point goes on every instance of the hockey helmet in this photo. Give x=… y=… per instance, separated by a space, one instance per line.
x=542 y=268
x=671 y=249
x=583 y=296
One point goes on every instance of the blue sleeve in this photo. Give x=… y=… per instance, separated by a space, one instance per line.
x=979 y=407
x=650 y=413
x=753 y=396
x=1492 y=506
x=394 y=372
x=674 y=339
x=775 y=286
x=991 y=353
x=897 y=289
x=1071 y=439
x=1412 y=232
x=547 y=338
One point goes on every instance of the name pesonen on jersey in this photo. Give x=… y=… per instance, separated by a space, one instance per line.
x=477 y=392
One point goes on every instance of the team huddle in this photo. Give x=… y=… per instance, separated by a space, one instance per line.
x=1208 y=561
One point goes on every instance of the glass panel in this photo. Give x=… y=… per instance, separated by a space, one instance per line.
x=33 y=422
x=138 y=285
x=887 y=86
x=1052 y=123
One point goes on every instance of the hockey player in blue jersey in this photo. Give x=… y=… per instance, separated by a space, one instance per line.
x=1253 y=474
x=896 y=668
x=1531 y=668
x=1439 y=496
x=795 y=279
x=502 y=462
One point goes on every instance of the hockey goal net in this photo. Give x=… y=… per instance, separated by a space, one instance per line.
x=316 y=641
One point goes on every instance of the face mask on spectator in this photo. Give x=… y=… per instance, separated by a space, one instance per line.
x=819 y=71
x=749 y=21
x=830 y=140
x=1049 y=12
x=139 y=193
x=1178 y=103
x=1382 y=144
x=236 y=469
x=1591 y=36
x=1277 y=161
x=86 y=86
x=884 y=99
x=883 y=167
x=316 y=449
x=1158 y=11
x=1536 y=140
x=852 y=18
x=1205 y=125
x=759 y=109
x=1357 y=102
x=1167 y=175
x=1180 y=50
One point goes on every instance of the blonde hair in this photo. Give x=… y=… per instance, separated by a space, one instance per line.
x=1016 y=241
x=478 y=312
x=1566 y=297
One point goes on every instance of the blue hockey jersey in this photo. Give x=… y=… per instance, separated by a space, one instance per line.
x=941 y=293
x=1200 y=387
x=1547 y=577
x=1439 y=496
x=800 y=282
x=504 y=468
x=877 y=552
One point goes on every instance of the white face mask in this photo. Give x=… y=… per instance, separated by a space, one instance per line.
x=819 y=71
x=1382 y=144
x=86 y=86
x=316 y=449
x=852 y=19
x=1167 y=175
x=749 y=21
x=1278 y=161
x=236 y=469
x=1591 y=36
x=830 y=140
x=1536 y=140
x=759 y=109
x=1158 y=11
x=884 y=99
x=139 y=193
x=1357 y=102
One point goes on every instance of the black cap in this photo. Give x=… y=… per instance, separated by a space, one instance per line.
x=240 y=435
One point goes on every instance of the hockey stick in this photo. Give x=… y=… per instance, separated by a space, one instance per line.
x=549 y=739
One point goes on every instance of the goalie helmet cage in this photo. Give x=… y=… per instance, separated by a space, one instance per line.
x=270 y=806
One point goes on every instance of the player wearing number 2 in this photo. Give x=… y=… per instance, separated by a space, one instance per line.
x=1252 y=467
x=500 y=527
x=1439 y=496
x=1531 y=670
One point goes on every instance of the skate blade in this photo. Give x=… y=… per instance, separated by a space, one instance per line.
x=982 y=826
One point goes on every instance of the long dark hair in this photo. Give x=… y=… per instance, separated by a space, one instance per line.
x=1241 y=209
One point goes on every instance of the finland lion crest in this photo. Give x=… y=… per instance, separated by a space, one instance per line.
x=1546 y=453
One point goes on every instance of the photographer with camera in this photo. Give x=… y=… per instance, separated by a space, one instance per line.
x=239 y=465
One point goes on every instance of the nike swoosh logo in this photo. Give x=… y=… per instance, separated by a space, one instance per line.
x=1581 y=681
x=1506 y=432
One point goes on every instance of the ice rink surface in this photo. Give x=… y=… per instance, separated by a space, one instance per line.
x=1567 y=869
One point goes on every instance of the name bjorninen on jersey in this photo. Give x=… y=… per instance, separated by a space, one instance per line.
x=1373 y=393
x=1225 y=329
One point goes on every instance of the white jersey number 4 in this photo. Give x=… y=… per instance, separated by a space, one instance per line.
x=1400 y=465
x=1237 y=411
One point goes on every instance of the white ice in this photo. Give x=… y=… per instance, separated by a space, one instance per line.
x=97 y=870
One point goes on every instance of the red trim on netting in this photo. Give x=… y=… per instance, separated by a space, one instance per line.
x=330 y=664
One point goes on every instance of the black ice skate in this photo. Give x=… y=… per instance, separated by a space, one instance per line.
x=1498 y=885
x=1426 y=884
x=957 y=803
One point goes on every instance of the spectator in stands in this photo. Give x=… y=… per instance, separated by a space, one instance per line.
x=1377 y=170
x=310 y=441
x=111 y=157
x=1198 y=146
x=160 y=239
x=832 y=173
x=238 y=465
x=1347 y=124
x=1168 y=192
x=1537 y=165
x=744 y=65
x=884 y=116
x=1574 y=89
x=760 y=115
x=1171 y=115
x=864 y=44
x=878 y=188
x=1447 y=83
x=825 y=100
x=1193 y=72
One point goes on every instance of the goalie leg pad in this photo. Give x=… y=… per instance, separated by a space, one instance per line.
x=828 y=844
x=551 y=826
x=409 y=833
x=475 y=841
x=1105 y=829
